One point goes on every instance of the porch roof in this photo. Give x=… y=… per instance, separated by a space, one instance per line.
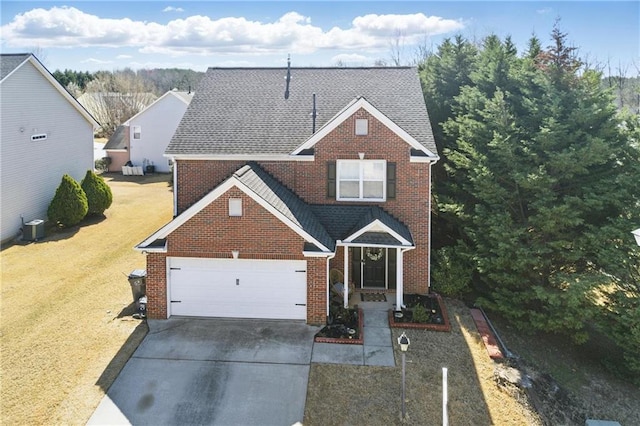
x=342 y=222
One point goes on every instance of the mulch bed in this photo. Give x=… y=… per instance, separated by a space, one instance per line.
x=331 y=330
x=439 y=320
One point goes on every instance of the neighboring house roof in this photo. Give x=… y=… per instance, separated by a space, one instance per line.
x=118 y=139
x=243 y=111
x=185 y=97
x=322 y=225
x=11 y=62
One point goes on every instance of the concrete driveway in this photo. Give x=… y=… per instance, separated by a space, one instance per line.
x=213 y=372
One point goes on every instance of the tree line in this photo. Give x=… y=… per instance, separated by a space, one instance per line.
x=112 y=97
x=536 y=192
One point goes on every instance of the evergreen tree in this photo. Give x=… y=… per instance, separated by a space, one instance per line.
x=541 y=184
x=69 y=205
x=99 y=196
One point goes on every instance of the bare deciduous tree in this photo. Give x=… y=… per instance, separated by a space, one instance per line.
x=113 y=98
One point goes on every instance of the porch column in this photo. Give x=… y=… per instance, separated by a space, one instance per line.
x=345 y=284
x=399 y=282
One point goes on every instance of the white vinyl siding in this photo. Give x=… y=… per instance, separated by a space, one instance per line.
x=158 y=122
x=31 y=170
x=361 y=180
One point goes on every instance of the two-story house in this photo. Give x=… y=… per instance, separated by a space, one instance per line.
x=44 y=134
x=284 y=174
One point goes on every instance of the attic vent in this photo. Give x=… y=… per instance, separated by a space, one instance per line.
x=39 y=137
x=362 y=127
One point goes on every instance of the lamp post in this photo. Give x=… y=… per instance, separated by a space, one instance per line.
x=404 y=343
x=636 y=234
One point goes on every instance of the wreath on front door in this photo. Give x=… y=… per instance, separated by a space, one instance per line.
x=374 y=254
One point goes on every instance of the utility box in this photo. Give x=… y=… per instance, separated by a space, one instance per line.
x=33 y=230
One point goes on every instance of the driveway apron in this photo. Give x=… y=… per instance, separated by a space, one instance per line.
x=213 y=372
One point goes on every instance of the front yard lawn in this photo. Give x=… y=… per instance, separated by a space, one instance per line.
x=66 y=325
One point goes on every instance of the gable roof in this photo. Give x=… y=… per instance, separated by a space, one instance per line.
x=322 y=226
x=184 y=97
x=266 y=191
x=362 y=224
x=242 y=111
x=11 y=62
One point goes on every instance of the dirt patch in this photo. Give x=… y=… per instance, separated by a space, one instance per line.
x=64 y=335
x=371 y=395
x=570 y=383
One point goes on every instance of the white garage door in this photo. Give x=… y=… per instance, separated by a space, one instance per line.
x=238 y=288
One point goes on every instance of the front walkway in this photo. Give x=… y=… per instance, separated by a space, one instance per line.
x=378 y=345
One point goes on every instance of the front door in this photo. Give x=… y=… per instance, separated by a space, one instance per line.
x=374 y=268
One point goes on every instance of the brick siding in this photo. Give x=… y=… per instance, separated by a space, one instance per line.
x=212 y=233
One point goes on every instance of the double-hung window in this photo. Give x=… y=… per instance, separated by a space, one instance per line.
x=361 y=180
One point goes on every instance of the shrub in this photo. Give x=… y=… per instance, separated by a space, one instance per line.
x=102 y=164
x=69 y=206
x=420 y=314
x=99 y=194
x=451 y=272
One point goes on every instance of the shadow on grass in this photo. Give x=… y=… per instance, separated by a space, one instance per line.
x=371 y=395
x=119 y=360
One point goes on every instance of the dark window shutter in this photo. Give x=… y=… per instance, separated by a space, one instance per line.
x=391 y=180
x=331 y=179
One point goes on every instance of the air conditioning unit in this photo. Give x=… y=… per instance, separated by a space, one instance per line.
x=33 y=230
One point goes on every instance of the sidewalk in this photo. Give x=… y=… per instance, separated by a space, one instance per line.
x=377 y=348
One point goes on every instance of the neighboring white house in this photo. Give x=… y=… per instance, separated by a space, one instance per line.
x=152 y=128
x=45 y=133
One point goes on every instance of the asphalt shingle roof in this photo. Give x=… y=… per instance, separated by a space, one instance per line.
x=118 y=139
x=284 y=200
x=10 y=61
x=341 y=221
x=243 y=110
x=325 y=223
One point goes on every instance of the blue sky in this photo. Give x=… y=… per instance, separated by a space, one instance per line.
x=109 y=35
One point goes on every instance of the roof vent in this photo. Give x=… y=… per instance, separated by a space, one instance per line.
x=313 y=115
x=288 y=77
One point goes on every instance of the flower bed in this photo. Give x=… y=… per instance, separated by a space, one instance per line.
x=425 y=312
x=345 y=327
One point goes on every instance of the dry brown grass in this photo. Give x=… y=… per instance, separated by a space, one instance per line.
x=358 y=395
x=65 y=329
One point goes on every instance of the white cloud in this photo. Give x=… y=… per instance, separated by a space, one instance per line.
x=95 y=61
x=544 y=11
x=124 y=57
x=173 y=9
x=351 y=59
x=201 y=35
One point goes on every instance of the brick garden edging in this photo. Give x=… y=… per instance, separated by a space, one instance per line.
x=343 y=341
x=433 y=327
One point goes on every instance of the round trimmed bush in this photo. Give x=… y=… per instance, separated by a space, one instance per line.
x=69 y=206
x=98 y=193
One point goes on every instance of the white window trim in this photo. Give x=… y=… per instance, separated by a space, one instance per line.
x=139 y=132
x=361 y=180
x=362 y=127
x=235 y=207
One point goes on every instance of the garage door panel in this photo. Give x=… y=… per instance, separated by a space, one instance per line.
x=238 y=288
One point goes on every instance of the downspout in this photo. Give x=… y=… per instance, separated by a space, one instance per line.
x=175 y=186
x=328 y=283
x=429 y=241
